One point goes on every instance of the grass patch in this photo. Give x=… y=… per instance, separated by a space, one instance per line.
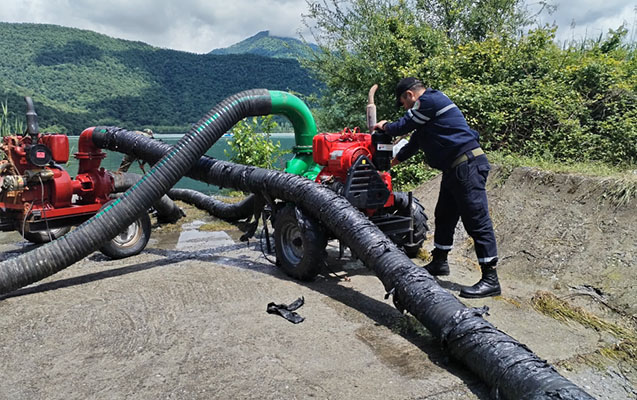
x=211 y=224
x=232 y=197
x=549 y=304
x=192 y=214
x=424 y=255
x=626 y=348
x=620 y=192
x=8 y=126
x=511 y=301
x=509 y=162
x=412 y=174
x=217 y=225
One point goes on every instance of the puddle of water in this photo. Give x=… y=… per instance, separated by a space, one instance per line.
x=191 y=238
x=194 y=240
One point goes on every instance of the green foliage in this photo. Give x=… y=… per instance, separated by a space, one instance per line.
x=520 y=91
x=367 y=43
x=468 y=20
x=407 y=175
x=535 y=99
x=251 y=143
x=80 y=78
x=7 y=125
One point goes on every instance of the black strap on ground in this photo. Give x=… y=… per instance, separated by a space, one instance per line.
x=287 y=311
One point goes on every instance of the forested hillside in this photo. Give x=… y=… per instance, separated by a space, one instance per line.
x=80 y=78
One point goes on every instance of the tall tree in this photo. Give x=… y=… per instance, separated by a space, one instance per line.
x=364 y=42
x=466 y=20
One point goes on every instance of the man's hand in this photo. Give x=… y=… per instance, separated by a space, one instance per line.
x=380 y=126
x=394 y=162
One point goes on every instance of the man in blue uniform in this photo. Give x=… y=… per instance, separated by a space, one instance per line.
x=441 y=131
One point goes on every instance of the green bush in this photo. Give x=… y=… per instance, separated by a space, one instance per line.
x=251 y=143
x=523 y=93
x=406 y=175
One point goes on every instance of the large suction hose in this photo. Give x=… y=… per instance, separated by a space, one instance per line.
x=167 y=210
x=505 y=364
x=105 y=225
x=227 y=211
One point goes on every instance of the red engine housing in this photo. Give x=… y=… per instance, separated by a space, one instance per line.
x=38 y=192
x=337 y=152
x=59 y=146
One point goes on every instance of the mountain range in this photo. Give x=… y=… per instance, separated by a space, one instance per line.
x=264 y=44
x=79 y=78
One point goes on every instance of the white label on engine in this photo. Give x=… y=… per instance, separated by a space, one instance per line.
x=335 y=154
x=384 y=147
x=399 y=146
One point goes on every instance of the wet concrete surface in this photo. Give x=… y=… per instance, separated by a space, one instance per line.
x=186 y=319
x=190 y=322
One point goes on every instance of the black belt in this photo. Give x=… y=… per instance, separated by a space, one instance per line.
x=476 y=152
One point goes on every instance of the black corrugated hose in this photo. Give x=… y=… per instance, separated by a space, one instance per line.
x=105 y=225
x=509 y=367
x=167 y=211
x=230 y=212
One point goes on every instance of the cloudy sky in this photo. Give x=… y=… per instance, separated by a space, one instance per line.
x=580 y=19
x=199 y=26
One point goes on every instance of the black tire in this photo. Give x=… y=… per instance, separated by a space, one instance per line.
x=131 y=241
x=401 y=207
x=39 y=237
x=300 y=243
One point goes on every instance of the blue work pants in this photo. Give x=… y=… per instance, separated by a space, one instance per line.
x=463 y=195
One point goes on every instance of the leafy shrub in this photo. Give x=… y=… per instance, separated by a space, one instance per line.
x=251 y=143
x=520 y=91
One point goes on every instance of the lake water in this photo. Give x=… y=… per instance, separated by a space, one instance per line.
x=113 y=158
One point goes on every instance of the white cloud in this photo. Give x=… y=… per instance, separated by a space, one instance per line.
x=202 y=25
x=190 y=25
x=587 y=19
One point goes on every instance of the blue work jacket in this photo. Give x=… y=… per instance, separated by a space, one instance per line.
x=441 y=130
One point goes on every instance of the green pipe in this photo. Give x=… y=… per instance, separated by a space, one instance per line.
x=299 y=114
x=304 y=165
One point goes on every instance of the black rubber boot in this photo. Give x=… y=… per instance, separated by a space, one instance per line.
x=487 y=286
x=438 y=265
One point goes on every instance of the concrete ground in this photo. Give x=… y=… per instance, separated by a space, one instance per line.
x=186 y=319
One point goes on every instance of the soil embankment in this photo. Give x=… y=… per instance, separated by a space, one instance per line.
x=186 y=318
x=568 y=251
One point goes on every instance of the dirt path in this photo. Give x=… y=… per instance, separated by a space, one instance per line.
x=186 y=318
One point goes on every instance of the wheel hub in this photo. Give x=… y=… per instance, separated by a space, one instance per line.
x=292 y=244
x=128 y=235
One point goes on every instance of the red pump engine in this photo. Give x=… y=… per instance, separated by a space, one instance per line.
x=37 y=193
x=349 y=159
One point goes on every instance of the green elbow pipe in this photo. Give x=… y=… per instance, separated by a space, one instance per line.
x=299 y=114
x=304 y=165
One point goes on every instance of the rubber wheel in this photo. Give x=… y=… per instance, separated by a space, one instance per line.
x=40 y=237
x=300 y=244
x=130 y=241
x=401 y=207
